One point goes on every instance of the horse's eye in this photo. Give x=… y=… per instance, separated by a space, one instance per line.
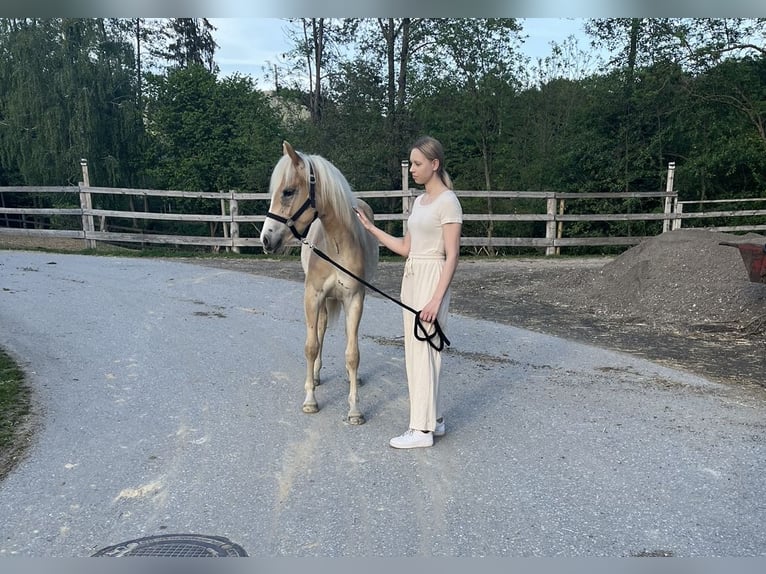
x=288 y=192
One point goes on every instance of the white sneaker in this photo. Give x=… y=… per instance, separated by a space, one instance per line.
x=412 y=439
x=440 y=427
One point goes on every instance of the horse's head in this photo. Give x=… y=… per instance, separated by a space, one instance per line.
x=293 y=206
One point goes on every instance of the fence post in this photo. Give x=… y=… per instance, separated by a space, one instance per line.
x=225 y=224
x=86 y=204
x=406 y=194
x=233 y=213
x=679 y=209
x=550 y=227
x=560 y=226
x=5 y=215
x=669 y=207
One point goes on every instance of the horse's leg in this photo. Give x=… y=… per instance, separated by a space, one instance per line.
x=312 y=303
x=321 y=329
x=353 y=317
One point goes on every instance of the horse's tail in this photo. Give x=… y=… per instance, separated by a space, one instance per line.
x=333 y=310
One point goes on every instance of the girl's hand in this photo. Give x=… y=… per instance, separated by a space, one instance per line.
x=429 y=312
x=365 y=222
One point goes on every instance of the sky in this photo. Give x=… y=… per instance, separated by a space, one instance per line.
x=372 y=8
x=247 y=45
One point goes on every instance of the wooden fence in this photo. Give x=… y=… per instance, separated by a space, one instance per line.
x=548 y=215
x=694 y=218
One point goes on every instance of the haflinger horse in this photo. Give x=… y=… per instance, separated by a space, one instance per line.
x=312 y=201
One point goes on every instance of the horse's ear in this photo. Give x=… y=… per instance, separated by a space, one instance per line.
x=288 y=150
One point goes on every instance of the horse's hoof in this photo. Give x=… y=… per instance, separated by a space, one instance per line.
x=355 y=420
x=310 y=409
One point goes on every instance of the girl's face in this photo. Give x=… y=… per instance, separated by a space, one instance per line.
x=421 y=168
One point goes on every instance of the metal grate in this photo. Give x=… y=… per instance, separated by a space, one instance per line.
x=175 y=546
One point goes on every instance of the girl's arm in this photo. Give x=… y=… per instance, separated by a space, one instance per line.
x=451 y=232
x=399 y=245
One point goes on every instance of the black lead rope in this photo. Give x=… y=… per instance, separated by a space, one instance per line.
x=421 y=333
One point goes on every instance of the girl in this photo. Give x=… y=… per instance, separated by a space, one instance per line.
x=431 y=246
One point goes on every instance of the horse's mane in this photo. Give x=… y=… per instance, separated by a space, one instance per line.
x=333 y=190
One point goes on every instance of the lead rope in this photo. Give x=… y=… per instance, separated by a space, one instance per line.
x=421 y=333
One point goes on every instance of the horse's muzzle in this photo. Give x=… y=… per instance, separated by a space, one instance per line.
x=269 y=244
x=273 y=240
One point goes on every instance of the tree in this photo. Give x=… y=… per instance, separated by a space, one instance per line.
x=190 y=42
x=706 y=42
x=209 y=134
x=394 y=46
x=723 y=124
x=478 y=57
x=317 y=51
x=147 y=35
x=356 y=124
x=636 y=42
x=68 y=93
x=473 y=62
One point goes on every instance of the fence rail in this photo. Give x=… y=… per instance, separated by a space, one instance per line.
x=682 y=215
x=550 y=213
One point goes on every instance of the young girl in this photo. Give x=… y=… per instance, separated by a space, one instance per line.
x=431 y=246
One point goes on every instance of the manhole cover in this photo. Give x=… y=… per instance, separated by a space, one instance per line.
x=175 y=546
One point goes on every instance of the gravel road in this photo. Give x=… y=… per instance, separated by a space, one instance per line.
x=168 y=401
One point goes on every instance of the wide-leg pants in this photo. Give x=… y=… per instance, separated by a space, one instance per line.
x=423 y=362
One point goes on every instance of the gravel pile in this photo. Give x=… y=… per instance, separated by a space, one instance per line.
x=682 y=278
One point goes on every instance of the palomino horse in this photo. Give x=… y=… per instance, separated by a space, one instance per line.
x=312 y=201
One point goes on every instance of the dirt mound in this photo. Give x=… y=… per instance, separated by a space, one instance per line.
x=682 y=276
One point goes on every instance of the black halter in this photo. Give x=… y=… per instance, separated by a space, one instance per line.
x=309 y=203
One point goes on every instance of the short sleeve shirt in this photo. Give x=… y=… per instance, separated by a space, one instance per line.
x=425 y=223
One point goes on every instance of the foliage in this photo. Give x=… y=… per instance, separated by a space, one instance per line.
x=190 y=43
x=209 y=134
x=142 y=100
x=68 y=92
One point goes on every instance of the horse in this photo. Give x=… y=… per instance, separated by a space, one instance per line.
x=311 y=200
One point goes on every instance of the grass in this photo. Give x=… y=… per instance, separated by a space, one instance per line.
x=15 y=405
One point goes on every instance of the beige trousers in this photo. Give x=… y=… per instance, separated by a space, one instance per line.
x=423 y=362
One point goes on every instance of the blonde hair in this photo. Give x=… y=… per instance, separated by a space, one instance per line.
x=432 y=149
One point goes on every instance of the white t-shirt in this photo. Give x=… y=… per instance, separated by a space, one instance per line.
x=425 y=223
